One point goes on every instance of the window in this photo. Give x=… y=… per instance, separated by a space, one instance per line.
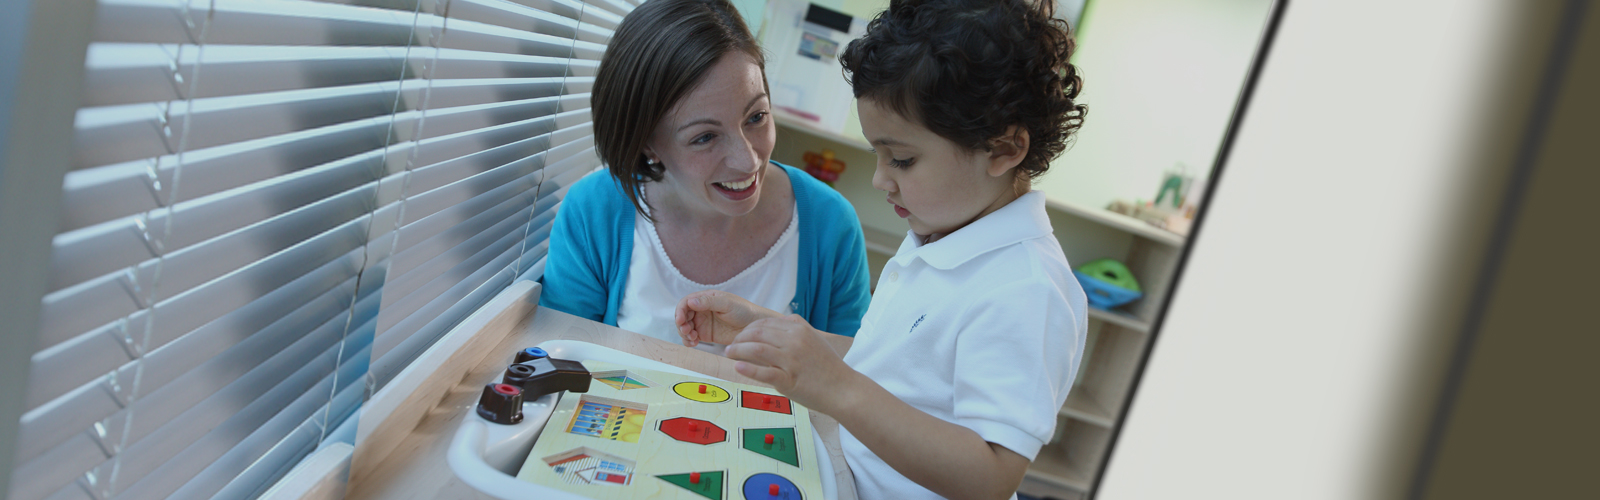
x=273 y=206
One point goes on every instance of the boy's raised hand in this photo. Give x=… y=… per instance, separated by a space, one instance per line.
x=792 y=357
x=716 y=316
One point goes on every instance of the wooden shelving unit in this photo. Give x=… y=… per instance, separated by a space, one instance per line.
x=1065 y=468
x=881 y=241
x=800 y=124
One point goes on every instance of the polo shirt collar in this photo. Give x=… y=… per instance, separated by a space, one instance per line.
x=1022 y=219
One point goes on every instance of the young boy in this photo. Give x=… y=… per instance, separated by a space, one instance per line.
x=976 y=328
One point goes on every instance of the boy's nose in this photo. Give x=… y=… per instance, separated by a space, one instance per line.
x=881 y=181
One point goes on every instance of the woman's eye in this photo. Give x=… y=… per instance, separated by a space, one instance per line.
x=898 y=163
x=703 y=138
x=758 y=118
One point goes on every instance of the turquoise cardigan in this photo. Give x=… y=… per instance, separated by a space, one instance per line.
x=591 y=246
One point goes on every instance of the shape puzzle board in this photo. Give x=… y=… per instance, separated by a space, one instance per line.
x=646 y=434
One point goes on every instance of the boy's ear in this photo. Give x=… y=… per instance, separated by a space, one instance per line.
x=1007 y=151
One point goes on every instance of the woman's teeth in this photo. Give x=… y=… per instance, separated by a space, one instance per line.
x=738 y=186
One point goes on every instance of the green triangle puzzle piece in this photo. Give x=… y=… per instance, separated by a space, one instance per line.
x=782 y=449
x=710 y=485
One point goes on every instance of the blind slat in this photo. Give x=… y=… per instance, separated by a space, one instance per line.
x=492 y=146
x=508 y=219
x=255 y=388
x=106 y=193
x=116 y=134
x=252 y=470
x=127 y=73
x=228 y=348
x=262 y=22
x=98 y=302
x=483 y=117
x=357 y=176
x=394 y=331
x=409 y=338
x=435 y=223
x=288 y=402
x=278 y=313
x=94 y=252
x=257 y=222
x=426 y=247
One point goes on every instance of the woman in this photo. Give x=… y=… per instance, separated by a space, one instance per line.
x=692 y=201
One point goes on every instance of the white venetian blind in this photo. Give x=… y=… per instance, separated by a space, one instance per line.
x=277 y=204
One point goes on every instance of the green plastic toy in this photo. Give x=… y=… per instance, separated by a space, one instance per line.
x=1107 y=283
x=1113 y=273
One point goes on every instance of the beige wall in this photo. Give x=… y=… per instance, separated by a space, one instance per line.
x=1305 y=348
x=1160 y=79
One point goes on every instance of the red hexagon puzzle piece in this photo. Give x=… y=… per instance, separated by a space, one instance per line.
x=693 y=430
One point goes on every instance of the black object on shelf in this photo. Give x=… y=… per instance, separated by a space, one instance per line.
x=547 y=375
x=501 y=403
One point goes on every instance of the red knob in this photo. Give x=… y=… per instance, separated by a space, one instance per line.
x=772 y=489
x=769 y=441
x=702 y=388
x=694 y=478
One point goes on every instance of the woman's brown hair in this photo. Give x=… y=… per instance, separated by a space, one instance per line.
x=659 y=53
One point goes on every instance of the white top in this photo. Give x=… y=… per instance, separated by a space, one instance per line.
x=655 y=286
x=983 y=328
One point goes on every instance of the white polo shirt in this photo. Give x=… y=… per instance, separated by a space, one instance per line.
x=983 y=328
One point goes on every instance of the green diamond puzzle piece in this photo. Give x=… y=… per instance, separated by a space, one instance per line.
x=782 y=449
x=710 y=485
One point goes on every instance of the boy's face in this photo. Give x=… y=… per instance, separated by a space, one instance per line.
x=936 y=185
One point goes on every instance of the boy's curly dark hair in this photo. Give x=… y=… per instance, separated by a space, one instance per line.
x=968 y=69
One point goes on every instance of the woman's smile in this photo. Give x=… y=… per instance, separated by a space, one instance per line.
x=738 y=189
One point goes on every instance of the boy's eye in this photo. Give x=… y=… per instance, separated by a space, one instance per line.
x=899 y=163
x=703 y=138
x=758 y=118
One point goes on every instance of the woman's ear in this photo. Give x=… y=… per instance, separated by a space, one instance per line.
x=1007 y=151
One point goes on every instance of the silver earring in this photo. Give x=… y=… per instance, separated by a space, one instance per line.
x=649 y=161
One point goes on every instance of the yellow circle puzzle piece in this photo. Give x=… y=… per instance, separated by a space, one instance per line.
x=701 y=391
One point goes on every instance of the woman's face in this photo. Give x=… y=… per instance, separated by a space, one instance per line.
x=716 y=140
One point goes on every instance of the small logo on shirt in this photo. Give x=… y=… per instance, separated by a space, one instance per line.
x=919 y=321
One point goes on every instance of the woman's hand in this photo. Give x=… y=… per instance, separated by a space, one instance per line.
x=792 y=357
x=716 y=316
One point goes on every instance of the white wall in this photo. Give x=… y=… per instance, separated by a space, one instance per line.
x=1160 y=79
x=1298 y=348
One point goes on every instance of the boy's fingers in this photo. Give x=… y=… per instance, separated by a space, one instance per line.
x=755 y=332
x=764 y=374
x=755 y=352
x=778 y=332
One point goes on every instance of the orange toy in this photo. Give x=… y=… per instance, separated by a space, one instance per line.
x=823 y=166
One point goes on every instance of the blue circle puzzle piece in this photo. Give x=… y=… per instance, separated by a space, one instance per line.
x=759 y=487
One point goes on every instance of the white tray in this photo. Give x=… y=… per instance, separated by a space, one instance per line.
x=487 y=456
